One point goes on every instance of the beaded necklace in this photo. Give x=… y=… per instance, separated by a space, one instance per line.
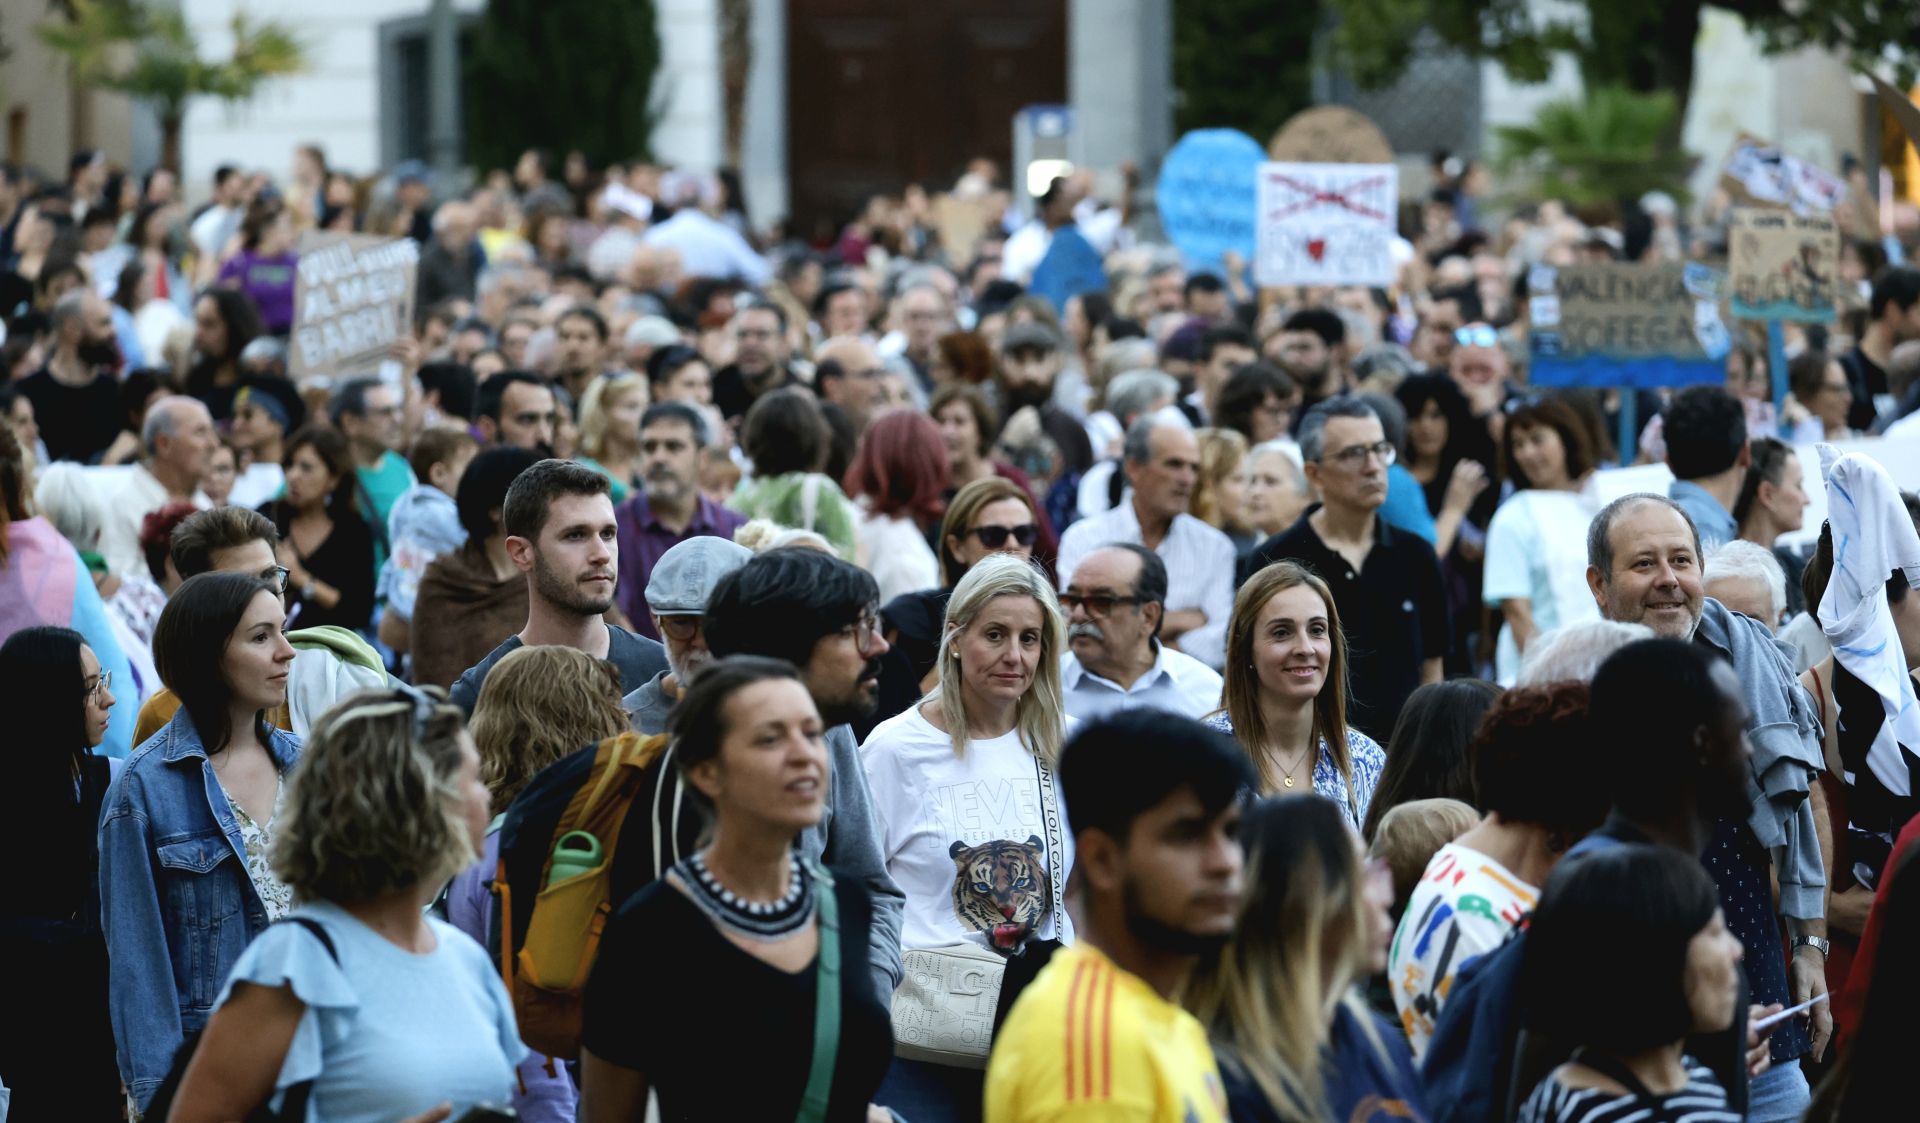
x=758 y=920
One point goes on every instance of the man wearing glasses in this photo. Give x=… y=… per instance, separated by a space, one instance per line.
x=1115 y=602
x=367 y=413
x=1385 y=582
x=678 y=589
x=760 y=352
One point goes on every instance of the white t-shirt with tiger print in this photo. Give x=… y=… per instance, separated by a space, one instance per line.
x=964 y=836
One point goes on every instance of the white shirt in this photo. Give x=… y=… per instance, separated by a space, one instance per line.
x=262 y=481
x=1906 y=427
x=1177 y=683
x=1199 y=570
x=127 y=492
x=1537 y=552
x=709 y=247
x=943 y=820
x=897 y=554
x=215 y=227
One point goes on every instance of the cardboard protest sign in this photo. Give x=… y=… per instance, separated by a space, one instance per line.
x=1781 y=265
x=1626 y=325
x=1330 y=134
x=1206 y=196
x=1758 y=174
x=352 y=299
x=1326 y=224
x=961 y=223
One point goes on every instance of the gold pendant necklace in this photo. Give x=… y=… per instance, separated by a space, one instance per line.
x=1289 y=780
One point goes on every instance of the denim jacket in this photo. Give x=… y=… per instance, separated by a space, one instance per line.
x=177 y=906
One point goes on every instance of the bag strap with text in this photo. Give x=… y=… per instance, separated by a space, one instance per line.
x=1056 y=848
x=826 y=1002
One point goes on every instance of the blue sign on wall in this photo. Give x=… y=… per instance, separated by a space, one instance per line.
x=1206 y=196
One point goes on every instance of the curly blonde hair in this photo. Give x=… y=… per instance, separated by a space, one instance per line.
x=373 y=806
x=538 y=705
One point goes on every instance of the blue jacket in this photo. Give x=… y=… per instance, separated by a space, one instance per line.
x=177 y=906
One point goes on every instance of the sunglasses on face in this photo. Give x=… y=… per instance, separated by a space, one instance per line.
x=994 y=537
x=1476 y=335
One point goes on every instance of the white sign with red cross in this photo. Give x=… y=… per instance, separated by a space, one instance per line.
x=1326 y=224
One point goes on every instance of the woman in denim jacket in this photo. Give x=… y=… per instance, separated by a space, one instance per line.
x=184 y=879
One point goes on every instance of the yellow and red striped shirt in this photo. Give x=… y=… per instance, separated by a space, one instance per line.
x=1089 y=1041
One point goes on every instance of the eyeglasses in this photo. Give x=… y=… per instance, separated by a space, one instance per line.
x=277 y=574
x=1355 y=458
x=100 y=686
x=1097 y=604
x=680 y=629
x=864 y=631
x=1476 y=335
x=994 y=537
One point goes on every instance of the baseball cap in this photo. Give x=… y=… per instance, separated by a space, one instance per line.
x=685 y=576
x=1031 y=336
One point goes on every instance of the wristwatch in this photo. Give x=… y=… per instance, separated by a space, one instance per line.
x=1818 y=943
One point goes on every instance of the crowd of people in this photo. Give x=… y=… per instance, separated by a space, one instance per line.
x=703 y=673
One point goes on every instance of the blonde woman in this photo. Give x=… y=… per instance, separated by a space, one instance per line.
x=1294 y=1039
x=968 y=820
x=1220 y=494
x=1286 y=692
x=610 y=430
x=540 y=705
x=366 y=1008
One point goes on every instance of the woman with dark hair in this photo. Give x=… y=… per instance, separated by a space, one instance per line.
x=1820 y=387
x=264 y=268
x=1536 y=560
x=59 y=1061
x=224 y=322
x=1427 y=754
x=1258 y=401
x=1772 y=502
x=324 y=543
x=743 y=923
x=1627 y=1016
x=185 y=829
x=471 y=599
x=786 y=437
x=899 y=480
x=1294 y=1039
x=1448 y=453
x=677 y=373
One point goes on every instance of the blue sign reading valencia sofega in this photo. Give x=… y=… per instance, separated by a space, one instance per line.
x=1626 y=325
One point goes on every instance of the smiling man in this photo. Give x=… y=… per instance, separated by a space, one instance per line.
x=561 y=533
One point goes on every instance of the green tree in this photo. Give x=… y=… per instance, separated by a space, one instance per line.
x=1641 y=45
x=1600 y=149
x=1242 y=64
x=562 y=74
x=151 y=55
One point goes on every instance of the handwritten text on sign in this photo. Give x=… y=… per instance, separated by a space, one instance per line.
x=1782 y=265
x=1326 y=224
x=353 y=299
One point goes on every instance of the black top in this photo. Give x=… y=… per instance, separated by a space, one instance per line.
x=1867 y=379
x=344 y=560
x=1394 y=613
x=913 y=622
x=77 y=422
x=720 y=1034
x=733 y=397
x=637 y=657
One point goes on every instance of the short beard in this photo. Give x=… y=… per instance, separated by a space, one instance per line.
x=1161 y=936
x=688 y=664
x=856 y=704
x=557 y=590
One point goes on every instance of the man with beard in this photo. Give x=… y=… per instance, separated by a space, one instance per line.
x=819 y=613
x=759 y=360
x=517 y=410
x=1643 y=566
x=677 y=595
x=1162 y=462
x=1311 y=346
x=1154 y=801
x=580 y=349
x=669 y=510
x=76 y=396
x=1116 y=600
x=1031 y=355
x=561 y=533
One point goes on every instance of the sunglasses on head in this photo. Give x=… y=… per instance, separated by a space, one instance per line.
x=1477 y=335
x=994 y=537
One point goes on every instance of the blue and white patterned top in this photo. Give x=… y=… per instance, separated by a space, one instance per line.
x=1368 y=759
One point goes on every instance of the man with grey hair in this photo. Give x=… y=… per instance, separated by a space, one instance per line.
x=1747 y=578
x=178 y=440
x=1129 y=396
x=1385 y=581
x=76 y=396
x=1162 y=463
x=1115 y=602
x=1643 y=565
x=919 y=315
x=1574 y=653
x=677 y=592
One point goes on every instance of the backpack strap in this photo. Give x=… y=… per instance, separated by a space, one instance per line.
x=826 y=1002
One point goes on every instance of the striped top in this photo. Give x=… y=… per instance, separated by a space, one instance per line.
x=1090 y=1041
x=1701 y=1101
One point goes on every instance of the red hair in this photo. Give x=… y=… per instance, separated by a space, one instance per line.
x=901 y=467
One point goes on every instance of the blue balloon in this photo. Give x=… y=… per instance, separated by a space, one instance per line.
x=1206 y=195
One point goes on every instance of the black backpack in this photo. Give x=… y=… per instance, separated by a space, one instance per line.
x=292 y=1110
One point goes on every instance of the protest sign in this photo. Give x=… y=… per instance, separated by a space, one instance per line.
x=961 y=223
x=1758 y=174
x=1626 y=325
x=1781 y=265
x=1330 y=134
x=1206 y=196
x=353 y=298
x=1326 y=224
